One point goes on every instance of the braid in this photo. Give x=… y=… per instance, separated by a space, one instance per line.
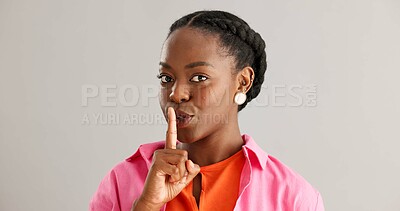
x=242 y=42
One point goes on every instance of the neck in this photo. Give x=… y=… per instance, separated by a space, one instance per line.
x=217 y=146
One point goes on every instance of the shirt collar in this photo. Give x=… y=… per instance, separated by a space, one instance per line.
x=258 y=154
x=146 y=151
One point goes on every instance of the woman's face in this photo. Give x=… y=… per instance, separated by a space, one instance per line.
x=199 y=80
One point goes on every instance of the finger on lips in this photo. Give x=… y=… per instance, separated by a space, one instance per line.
x=181 y=169
x=172 y=131
x=179 y=157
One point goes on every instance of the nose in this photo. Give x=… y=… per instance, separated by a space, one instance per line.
x=180 y=93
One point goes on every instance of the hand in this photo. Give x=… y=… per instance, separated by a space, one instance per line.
x=170 y=172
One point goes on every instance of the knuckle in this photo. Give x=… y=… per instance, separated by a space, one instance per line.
x=182 y=159
x=155 y=153
x=159 y=152
x=156 y=157
x=182 y=152
x=175 y=170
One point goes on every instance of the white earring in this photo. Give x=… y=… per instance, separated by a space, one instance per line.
x=240 y=97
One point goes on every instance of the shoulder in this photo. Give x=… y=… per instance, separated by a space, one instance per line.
x=135 y=164
x=140 y=160
x=284 y=173
x=279 y=186
x=296 y=189
x=145 y=151
x=125 y=180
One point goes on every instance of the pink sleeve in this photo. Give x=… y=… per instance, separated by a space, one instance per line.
x=320 y=204
x=310 y=200
x=106 y=197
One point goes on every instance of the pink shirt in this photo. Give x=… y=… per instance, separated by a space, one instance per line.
x=265 y=183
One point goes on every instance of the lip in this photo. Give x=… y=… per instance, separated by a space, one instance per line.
x=182 y=118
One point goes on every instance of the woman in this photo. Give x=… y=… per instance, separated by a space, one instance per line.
x=212 y=65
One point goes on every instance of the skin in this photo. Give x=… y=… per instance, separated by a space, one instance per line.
x=198 y=78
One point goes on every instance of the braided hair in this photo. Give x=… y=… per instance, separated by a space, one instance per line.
x=236 y=36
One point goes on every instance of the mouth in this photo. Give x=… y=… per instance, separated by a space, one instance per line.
x=182 y=119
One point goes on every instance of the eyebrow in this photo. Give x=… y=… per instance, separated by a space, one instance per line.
x=191 y=65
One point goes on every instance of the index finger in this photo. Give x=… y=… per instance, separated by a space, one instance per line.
x=170 y=141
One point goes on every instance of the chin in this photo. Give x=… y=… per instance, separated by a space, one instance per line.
x=187 y=138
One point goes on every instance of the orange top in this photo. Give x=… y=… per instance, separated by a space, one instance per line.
x=219 y=187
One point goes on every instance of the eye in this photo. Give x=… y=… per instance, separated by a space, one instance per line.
x=199 y=78
x=164 y=78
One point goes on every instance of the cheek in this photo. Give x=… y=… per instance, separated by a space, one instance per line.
x=214 y=97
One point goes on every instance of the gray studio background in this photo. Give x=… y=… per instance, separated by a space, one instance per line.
x=346 y=144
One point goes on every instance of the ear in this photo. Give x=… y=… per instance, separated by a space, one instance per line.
x=245 y=79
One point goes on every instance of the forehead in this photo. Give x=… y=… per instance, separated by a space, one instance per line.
x=189 y=45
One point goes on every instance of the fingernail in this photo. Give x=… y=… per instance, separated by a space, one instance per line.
x=191 y=164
